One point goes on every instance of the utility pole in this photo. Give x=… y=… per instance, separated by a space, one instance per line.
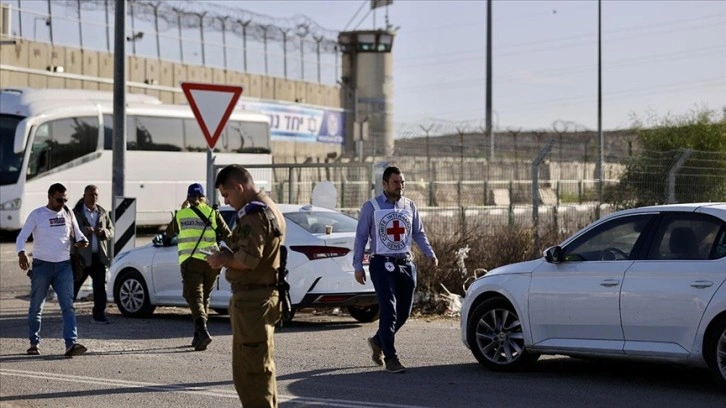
x=601 y=140
x=490 y=133
x=119 y=101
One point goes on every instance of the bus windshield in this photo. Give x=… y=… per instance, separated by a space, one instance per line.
x=10 y=162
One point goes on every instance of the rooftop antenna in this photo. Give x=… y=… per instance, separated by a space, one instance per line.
x=388 y=23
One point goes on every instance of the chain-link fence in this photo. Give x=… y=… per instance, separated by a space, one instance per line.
x=543 y=179
x=193 y=32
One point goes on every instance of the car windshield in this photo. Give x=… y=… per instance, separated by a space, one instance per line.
x=10 y=162
x=315 y=222
x=312 y=221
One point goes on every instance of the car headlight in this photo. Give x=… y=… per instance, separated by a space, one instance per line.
x=11 y=205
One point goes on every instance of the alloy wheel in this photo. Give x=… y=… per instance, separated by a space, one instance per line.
x=499 y=336
x=131 y=295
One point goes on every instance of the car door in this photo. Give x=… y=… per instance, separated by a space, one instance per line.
x=166 y=275
x=575 y=304
x=665 y=295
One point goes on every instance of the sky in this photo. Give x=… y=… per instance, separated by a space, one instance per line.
x=658 y=57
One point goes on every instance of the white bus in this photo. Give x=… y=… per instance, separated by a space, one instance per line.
x=65 y=136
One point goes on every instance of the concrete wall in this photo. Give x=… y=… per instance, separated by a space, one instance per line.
x=30 y=64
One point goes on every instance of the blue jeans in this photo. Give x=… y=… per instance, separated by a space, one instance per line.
x=60 y=276
x=394 y=291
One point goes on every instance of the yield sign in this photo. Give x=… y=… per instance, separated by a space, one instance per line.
x=212 y=105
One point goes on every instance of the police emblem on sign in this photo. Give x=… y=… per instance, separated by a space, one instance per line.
x=393 y=230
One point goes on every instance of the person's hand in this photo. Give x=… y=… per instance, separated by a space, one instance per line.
x=23 y=261
x=215 y=260
x=90 y=230
x=185 y=204
x=434 y=262
x=81 y=244
x=360 y=277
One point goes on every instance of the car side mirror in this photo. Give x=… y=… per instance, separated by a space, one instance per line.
x=158 y=240
x=554 y=254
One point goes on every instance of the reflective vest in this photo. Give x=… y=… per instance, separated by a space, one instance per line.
x=190 y=229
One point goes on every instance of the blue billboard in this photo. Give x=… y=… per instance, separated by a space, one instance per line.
x=300 y=123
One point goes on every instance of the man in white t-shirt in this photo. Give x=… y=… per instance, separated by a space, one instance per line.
x=54 y=229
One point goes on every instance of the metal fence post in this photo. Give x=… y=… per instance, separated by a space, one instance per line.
x=535 y=191
x=671 y=182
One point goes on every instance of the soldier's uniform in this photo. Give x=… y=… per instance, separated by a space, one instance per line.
x=255 y=305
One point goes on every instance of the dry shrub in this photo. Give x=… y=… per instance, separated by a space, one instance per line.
x=489 y=248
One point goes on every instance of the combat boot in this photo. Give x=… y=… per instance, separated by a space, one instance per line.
x=204 y=338
x=195 y=340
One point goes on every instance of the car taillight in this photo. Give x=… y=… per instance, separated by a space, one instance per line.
x=314 y=252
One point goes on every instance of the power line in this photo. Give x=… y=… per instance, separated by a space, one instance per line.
x=362 y=19
x=557 y=72
x=541 y=49
x=577 y=37
x=711 y=82
x=496 y=18
x=356 y=14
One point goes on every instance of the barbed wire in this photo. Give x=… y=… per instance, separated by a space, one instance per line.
x=243 y=23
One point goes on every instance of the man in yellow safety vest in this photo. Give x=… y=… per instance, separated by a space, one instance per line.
x=198 y=227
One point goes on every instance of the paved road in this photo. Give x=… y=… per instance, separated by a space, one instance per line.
x=322 y=361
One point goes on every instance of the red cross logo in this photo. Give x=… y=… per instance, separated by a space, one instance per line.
x=396 y=231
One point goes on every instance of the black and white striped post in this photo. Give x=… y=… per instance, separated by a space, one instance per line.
x=125 y=224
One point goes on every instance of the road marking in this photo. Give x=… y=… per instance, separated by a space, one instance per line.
x=202 y=391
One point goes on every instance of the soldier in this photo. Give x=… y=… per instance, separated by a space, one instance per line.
x=252 y=260
x=198 y=226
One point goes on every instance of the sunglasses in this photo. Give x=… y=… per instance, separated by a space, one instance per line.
x=61 y=200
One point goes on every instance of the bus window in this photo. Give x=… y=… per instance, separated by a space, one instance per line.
x=57 y=142
x=108 y=133
x=244 y=137
x=159 y=134
x=10 y=162
x=194 y=140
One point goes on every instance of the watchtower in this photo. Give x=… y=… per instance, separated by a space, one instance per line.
x=367 y=86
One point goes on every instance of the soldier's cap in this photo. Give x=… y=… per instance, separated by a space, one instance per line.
x=195 y=190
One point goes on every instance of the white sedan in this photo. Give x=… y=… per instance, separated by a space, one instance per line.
x=320 y=264
x=647 y=283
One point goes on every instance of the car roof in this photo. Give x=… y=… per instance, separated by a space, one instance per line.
x=716 y=208
x=289 y=208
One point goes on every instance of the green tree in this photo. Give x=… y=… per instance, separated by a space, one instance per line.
x=698 y=137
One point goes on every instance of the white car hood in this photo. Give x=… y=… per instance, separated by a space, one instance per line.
x=520 y=267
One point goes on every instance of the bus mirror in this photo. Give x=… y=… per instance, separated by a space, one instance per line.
x=21 y=139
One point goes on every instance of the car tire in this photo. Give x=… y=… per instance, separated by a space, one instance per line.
x=715 y=352
x=496 y=338
x=132 y=295
x=221 y=310
x=365 y=314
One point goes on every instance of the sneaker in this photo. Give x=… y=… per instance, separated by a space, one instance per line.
x=395 y=366
x=102 y=320
x=75 y=350
x=376 y=352
x=33 y=350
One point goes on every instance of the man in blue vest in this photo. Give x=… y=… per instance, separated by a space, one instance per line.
x=197 y=226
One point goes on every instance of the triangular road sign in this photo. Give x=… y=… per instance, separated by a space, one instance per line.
x=212 y=105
